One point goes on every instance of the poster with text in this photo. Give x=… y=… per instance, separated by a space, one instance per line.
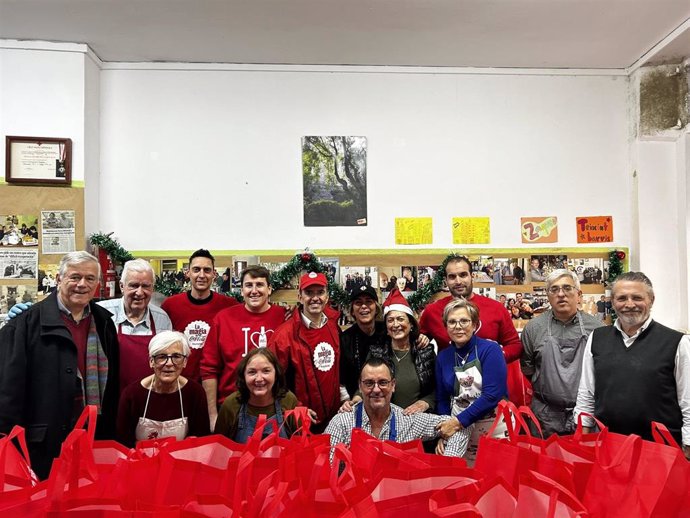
x=471 y=231
x=334 y=177
x=57 y=231
x=18 y=264
x=594 y=229
x=543 y=229
x=413 y=231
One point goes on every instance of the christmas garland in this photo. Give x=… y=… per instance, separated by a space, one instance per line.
x=307 y=261
x=419 y=299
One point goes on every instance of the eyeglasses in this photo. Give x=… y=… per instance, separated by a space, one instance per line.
x=162 y=359
x=369 y=384
x=567 y=289
x=463 y=322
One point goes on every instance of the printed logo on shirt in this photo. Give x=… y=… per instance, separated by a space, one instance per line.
x=196 y=333
x=324 y=356
x=257 y=338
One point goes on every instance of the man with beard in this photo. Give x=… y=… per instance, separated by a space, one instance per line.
x=636 y=371
x=192 y=312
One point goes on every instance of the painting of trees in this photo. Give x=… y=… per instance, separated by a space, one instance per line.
x=334 y=171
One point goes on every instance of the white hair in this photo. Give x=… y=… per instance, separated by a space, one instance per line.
x=73 y=258
x=165 y=339
x=137 y=265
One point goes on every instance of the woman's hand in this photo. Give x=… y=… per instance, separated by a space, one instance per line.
x=313 y=416
x=440 y=447
x=422 y=341
x=347 y=406
x=448 y=427
x=416 y=407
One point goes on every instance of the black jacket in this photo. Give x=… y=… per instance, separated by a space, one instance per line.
x=38 y=379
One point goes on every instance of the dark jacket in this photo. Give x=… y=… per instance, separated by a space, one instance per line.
x=354 y=350
x=424 y=362
x=38 y=379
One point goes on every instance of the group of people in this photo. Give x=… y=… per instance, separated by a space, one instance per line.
x=203 y=363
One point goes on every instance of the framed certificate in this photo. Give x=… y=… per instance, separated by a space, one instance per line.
x=38 y=160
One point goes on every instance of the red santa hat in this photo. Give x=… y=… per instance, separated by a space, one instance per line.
x=396 y=302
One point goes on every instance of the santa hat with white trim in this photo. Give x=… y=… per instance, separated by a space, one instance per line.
x=396 y=302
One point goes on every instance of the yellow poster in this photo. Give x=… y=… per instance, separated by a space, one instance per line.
x=471 y=231
x=413 y=231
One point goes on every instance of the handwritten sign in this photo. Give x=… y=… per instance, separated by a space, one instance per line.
x=471 y=231
x=594 y=229
x=539 y=229
x=413 y=231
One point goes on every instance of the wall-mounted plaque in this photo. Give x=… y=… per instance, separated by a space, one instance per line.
x=38 y=160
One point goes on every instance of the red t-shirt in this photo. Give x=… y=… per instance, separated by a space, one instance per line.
x=193 y=317
x=233 y=332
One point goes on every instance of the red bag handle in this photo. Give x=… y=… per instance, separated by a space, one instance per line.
x=89 y=413
x=662 y=435
x=527 y=411
x=508 y=411
x=556 y=492
x=18 y=433
x=577 y=436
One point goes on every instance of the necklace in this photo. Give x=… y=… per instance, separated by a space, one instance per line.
x=463 y=361
x=400 y=358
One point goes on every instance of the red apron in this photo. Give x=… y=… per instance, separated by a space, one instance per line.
x=134 y=356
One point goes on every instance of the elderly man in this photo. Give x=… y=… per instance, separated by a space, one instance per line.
x=308 y=350
x=193 y=312
x=234 y=332
x=56 y=357
x=554 y=344
x=377 y=416
x=136 y=320
x=636 y=371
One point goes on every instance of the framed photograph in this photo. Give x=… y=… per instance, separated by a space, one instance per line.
x=38 y=160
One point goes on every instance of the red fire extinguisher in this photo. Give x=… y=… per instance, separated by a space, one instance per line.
x=109 y=275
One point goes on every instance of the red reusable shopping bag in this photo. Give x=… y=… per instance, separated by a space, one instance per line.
x=16 y=478
x=634 y=477
x=541 y=497
x=519 y=387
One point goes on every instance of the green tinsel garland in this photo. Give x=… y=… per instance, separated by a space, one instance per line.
x=419 y=299
x=615 y=265
x=307 y=261
x=103 y=241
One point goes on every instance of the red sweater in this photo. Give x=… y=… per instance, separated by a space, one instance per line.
x=233 y=332
x=311 y=360
x=193 y=318
x=496 y=325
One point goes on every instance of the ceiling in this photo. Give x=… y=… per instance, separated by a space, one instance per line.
x=597 y=34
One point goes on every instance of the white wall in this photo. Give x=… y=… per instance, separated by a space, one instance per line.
x=42 y=95
x=212 y=157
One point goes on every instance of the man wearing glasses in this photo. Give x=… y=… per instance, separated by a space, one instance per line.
x=377 y=416
x=554 y=344
x=136 y=320
x=57 y=356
